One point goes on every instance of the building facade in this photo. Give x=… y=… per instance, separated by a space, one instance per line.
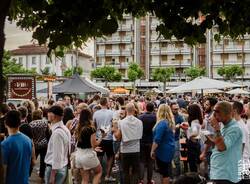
x=35 y=57
x=138 y=41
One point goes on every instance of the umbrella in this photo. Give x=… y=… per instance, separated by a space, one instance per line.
x=238 y=91
x=211 y=91
x=156 y=90
x=120 y=91
x=202 y=83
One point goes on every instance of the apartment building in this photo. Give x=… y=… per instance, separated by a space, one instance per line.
x=228 y=52
x=118 y=49
x=138 y=41
x=35 y=56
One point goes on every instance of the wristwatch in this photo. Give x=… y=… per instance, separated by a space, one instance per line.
x=217 y=133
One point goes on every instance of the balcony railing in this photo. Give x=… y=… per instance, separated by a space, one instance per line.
x=112 y=52
x=230 y=48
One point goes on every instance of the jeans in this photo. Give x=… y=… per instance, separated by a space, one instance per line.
x=61 y=175
x=146 y=160
x=177 y=159
x=42 y=153
x=131 y=161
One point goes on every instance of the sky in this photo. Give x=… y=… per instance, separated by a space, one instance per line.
x=16 y=37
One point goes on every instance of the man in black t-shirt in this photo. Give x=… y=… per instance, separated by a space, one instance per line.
x=148 y=120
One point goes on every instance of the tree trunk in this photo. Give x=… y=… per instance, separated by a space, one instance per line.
x=134 y=87
x=164 y=87
x=4 y=8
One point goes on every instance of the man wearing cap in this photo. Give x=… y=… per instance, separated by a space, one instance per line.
x=58 y=148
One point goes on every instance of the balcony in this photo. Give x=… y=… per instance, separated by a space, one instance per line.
x=220 y=63
x=174 y=63
x=174 y=50
x=230 y=49
x=126 y=52
x=100 y=53
x=112 y=52
x=113 y=39
x=155 y=51
x=169 y=51
x=126 y=39
x=128 y=27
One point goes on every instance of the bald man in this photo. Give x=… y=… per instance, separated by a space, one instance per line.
x=227 y=152
x=129 y=131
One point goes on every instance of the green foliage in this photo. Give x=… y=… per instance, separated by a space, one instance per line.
x=134 y=72
x=45 y=71
x=195 y=72
x=230 y=72
x=62 y=24
x=71 y=71
x=11 y=67
x=162 y=74
x=108 y=73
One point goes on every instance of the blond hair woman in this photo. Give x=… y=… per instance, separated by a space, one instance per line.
x=163 y=147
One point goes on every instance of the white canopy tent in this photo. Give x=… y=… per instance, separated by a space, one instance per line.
x=211 y=91
x=238 y=91
x=202 y=83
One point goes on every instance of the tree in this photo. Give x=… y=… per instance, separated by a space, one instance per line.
x=45 y=71
x=107 y=73
x=230 y=72
x=134 y=72
x=11 y=67
x=163 y=75
x=61 y=24
x=71 y=71
x=195 y=72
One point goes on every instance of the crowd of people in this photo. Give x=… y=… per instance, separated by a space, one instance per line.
x=120 y=139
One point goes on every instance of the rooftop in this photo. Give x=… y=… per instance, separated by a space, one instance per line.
x=35 y=49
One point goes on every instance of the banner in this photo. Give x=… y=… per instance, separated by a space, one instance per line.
x=21 y=87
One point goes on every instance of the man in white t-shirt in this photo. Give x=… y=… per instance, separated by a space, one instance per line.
x=129 y=131
x=237 y=110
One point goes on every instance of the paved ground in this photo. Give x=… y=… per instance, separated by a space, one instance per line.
x=34 y=179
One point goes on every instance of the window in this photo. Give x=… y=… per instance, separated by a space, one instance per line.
x=179 y=57
x=20 y=60
x=33 y=60
x=164 y=58
x=47 y=61
x=224 y=56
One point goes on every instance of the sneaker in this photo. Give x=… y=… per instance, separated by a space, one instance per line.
x=141 y=182
x=110 y=179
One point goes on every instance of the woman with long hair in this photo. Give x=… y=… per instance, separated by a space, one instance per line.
x=86 y=158
x=163 y=147
x=195 y=121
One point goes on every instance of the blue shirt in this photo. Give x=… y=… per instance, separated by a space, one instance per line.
x=164 y=137
x=16 y=152
x=224 y=165
x=178 y=120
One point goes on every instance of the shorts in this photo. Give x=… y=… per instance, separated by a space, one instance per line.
x=164 y=168
x=106 y=147
x=86 y=159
